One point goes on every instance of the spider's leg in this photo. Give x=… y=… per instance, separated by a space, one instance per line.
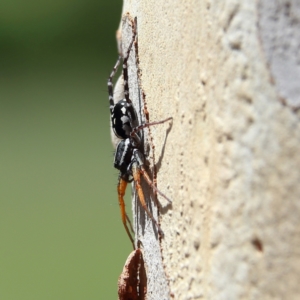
x=140 y=161
x=110 y=85
x=141 y=127
x=146 y=176
x=125 y=69
x=129 y=222
x=121 y=192
x=136 y=172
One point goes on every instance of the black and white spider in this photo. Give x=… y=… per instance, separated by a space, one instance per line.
x=129 y=156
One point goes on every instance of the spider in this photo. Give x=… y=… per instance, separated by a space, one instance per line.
x=129 y=156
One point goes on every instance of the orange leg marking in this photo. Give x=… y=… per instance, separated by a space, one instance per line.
x=137 y=180
x=146 y=176
x=121 y=192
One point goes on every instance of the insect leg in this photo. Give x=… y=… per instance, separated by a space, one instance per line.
x=141 y=127
x=110 y=85
x=121 y=192
x=137 y=180
x=146 y=176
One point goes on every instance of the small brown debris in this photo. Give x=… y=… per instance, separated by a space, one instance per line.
x=132 y=284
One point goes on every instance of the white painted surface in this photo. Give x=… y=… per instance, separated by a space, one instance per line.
x=231 y=161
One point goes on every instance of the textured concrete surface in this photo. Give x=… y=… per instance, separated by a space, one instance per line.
x=230 y=162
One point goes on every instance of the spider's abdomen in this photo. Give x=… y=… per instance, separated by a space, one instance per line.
x=123 y=119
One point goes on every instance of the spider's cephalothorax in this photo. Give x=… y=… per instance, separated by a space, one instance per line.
x=129 y=157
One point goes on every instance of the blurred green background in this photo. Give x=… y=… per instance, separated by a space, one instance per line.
x=61 y=236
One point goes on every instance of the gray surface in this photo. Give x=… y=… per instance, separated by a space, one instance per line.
x=279 y=23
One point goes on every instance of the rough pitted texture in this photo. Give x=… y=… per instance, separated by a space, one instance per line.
x=230 y=161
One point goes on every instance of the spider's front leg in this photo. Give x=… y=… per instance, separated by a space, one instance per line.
x=147 y=125
x=136 y=173
x=122 y=184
